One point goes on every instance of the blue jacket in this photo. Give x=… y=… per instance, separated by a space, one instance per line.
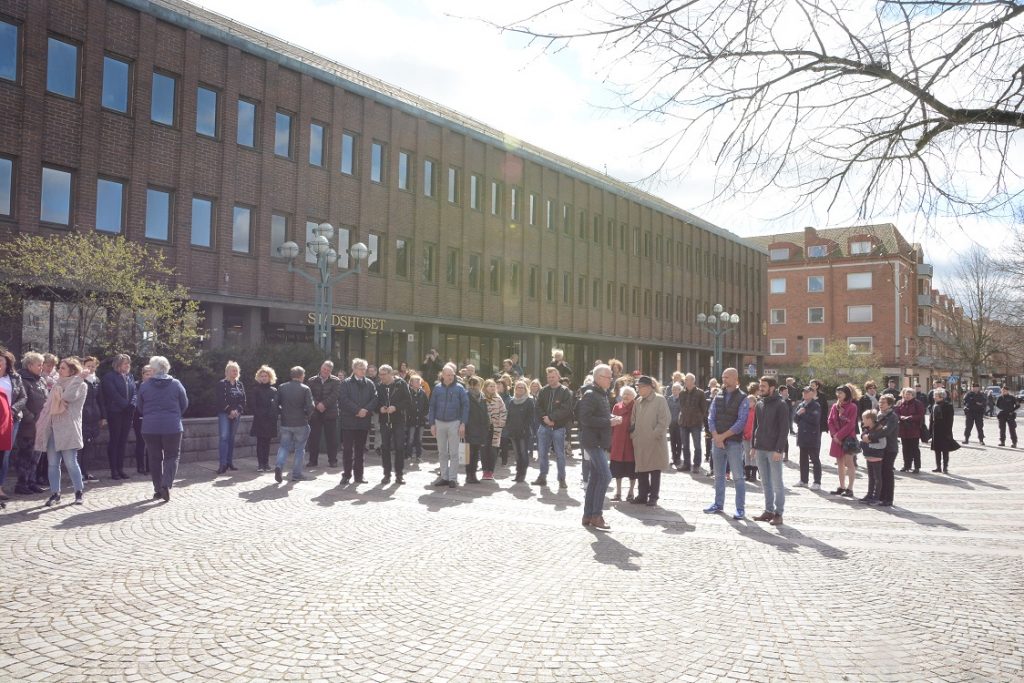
x=448 y=404
x=162 y=402
x=118 y=395
x=808 y=425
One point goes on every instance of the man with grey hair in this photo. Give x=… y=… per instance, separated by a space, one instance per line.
x=447 y=416
x=356 y=405
x=393 y=404
x=693 y=412
x=295 y=404
x=117 y=389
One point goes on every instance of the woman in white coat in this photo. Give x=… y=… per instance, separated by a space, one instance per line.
x=649 y=430
x=59 y=427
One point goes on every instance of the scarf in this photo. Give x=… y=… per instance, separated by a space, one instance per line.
x=520 y=401
x=55 y=402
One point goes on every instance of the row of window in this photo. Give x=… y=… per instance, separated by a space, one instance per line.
x=816 y=345
x=816 y=283
x=816 y=314
x=857 y=248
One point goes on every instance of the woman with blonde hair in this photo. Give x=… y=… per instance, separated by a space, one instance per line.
x=232 y=404
x=497 y=414
x=264 y=415
x=59 y=427
x=522 y=413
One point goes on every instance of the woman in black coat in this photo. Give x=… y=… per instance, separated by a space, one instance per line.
x=943 y=442
x=94 y=416
x=478 y=429
x=263 y=401
x=519 y=427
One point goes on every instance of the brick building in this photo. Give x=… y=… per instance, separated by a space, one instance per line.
x=864 y=285
x=216 y=143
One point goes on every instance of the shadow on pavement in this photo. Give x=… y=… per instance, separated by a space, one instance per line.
x=609 y=551
x=671 y=522
x=558 y=499
x=272 y=491
x=920 y=518
x=824 y=549
x=107 y=515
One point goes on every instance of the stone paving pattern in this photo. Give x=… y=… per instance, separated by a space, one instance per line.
x=241 y=579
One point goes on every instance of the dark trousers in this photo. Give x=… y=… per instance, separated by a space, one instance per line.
x=942 y=460
x=263 y=451
x=648 y=486
x=141 y=461
x=26 y=463
x=521 y=445
x=488 y=457
x=352 y=454
x=874 y=479
x=911 y=453
x=474 y=461
x=413 y=440
x=392 y=439
x=119 y=424
x=1011 y=422
x=690 y=435
x=887 y=483
x=810 y=457
x=707 y=450
x=164 y=451
x=978 y=422
x=329 y=426
x=87 y=454
x=675 y=437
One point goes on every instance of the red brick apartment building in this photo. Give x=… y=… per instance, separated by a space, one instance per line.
x=215 y=143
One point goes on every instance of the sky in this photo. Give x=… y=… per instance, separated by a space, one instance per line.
x=443 y=50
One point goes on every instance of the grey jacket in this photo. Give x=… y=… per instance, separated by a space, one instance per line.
x=295 y=401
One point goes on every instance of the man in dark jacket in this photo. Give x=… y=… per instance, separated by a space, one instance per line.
x=1007 y=404
x=326 y=388
x=394 y=402
x=596 y=422
x=891 y=390
x=356 y=405
x=808 y=437
x=118 y=390
x=554 y=407
x=792 y=398
x=822 y=398
x=975 y=403
x=417 y=418
x=35 y=399
x=890 y=422
x=295 y=403
x=771 y=432
x=693 y=415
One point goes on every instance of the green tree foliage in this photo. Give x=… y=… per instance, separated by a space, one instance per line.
x=837 y=365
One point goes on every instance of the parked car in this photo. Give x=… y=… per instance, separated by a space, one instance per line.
x=994 y=390
x=1020 y=395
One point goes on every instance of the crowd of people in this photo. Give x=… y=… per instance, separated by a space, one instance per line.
x=630 y=426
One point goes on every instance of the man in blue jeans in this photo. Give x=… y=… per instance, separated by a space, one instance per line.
x=596 y=422
x=770 y=437
x=554 y=408
x=295 y=401
x=727 y=418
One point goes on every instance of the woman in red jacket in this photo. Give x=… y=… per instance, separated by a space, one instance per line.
x=842 y=425
x=621 y=458
x=911 y=414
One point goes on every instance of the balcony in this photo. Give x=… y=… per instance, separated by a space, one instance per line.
x=925 y=331
x=924 y=299
x=924 y=270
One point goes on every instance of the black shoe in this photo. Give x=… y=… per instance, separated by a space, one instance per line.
x=53 y=500
x=937 y=470
x=165 y=493
x=1002 y=443
x=386 y=479
x=278 y=476
x=471 y=480
x=652 y=503
x=965 y=441
x=399 y=480
x=904 y=469
x=232 y=467
x=35 y=488
x=78 y=498
x=452 y=484
x=981 y=441
x=123 y=475
x=299 y=477
x=361 y=481
x=848 y=493
x=684 y=468
x=345 y=480
x=89 y=477
x=437 y=482
x=561 y=484
x=157 y=495
x=838 y=492
x=945 y=471
x=333 y=463
x=541 y=481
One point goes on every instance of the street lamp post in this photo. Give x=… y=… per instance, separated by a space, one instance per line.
x=326 y=260
x=719 y=324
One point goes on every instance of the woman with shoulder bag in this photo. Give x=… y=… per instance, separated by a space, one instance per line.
x=842 y=427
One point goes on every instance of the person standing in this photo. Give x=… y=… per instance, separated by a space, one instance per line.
x=431 y=367
x=891 y=390
x=231 y=393
x=726 y=420
x=873 y=442
x=943 y=442
x=771 y=432
x=596 y=422
x=693 y=415
x=417 y=418
x=890 y=422
x=447 y=416
x=559 y=363
x=621 y=457
x=910 y=412
x=478 y=428
x=675 y=436
x=554 y=406
x=326 y=390
x=519 y=427
x=141 y=460
x=497 y=415
x=808 y=436
x=162 y=402
x=59 y=427
x=295 y=406
x=842 y=427
x=394 y=403
x=118 y=390
x=793 y=395
x=93 y=418
x=12 y=387
x=650 y=420
x=975 y=403
x=820 y=397
x=27 y=459
x=356 y=404
x=936 y=385
x=1007 y=404
x=263 y=403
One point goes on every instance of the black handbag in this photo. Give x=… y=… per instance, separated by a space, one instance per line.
x=851 y=445
x=926 y=433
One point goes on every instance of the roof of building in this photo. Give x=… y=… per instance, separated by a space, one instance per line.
x=886 y=234
x=274 y=49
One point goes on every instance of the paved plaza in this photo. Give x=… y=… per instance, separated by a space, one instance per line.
x=241 y=579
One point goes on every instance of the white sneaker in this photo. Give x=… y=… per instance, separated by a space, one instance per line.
x=815 y=486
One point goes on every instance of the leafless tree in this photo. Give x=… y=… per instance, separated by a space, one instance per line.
x=894 y=105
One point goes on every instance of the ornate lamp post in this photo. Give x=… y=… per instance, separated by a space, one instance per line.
x=719 y=324
x=326 y=260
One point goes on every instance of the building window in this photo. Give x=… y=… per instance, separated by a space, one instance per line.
x=815 y=346
x=777 y=347
x=453 y=185
x=514 y=203
x=860 y=248
x=378 y=152
x=474 y=271
x=566 y=288
x=609 y=296
x=532 y=282
x=548 y=214
x=403 y=171
x=531 y=209
x=402 y=249
x=636 y=241
x=858 y=280
x=816 y=283
x=316 y=144
x=474 y=192
x=494 y=275
x=9 y=47
x=817 y=251
x=610 y=233
x=429 y=266
x=513 y=278
x=109 y=205
x=283 y=135
x=158 y=214
x=779 y=254
x=816 y=314
x=495 y=198
x=647 y=244
x=597 y=230
x=241 y=229
x=279 y=233
x=115 y=84
x=581 y=290
x=55 y=198
x=595 y=294
x=647 y=303
x=581 y=225
x=344 y=235
x=246 y=133
x=636 y=301
x=348 y=154
x=428 y=178
x=375 y=258
x=778 y=285
x=778 y=316
x=163 y=106
x=860 y=314
x=206 y=111
x=622 y=298
x=62 y=68
x=549 y=286
x=452 y=267
x=6 y=186
x=861 y=344
x=567 y=220
x=202 y=222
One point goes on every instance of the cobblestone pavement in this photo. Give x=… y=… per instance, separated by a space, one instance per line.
x=241 y=579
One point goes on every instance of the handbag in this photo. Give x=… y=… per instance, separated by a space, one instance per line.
x=464 y=452
x=851 y=445
x=926 y=433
